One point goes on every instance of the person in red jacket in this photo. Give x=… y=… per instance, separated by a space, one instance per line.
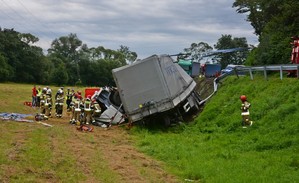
x=245 y=111
x=34 y=93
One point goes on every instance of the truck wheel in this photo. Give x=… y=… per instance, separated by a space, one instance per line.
x=166 y=120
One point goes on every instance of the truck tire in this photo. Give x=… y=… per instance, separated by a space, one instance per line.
x=166 y=120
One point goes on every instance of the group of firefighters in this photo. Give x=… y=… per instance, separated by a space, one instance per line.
x=82 y=110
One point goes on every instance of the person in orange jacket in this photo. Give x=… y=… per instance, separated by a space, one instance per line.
x=34 y=93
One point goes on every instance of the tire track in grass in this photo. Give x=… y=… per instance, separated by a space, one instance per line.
x=110 y=156
x=88 y=163
x=129 y=163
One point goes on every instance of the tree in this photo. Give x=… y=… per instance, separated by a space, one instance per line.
x=94 y=65
x=259 y=12
x=66 y=48
x=24 y=59
x=28 y=38
x=47 y=68
x=5 y=69
x=129 y=56
x=59 y=76
x=195 y=51
x=227 y=42
x=67 y=60
x=275 y=22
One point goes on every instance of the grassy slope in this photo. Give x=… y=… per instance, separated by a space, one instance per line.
x=216 y=149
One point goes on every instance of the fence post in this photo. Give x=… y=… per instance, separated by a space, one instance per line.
x=250 y=72
x=236 y=72
x=297 y=71
x=281 y=72
x=265 y=73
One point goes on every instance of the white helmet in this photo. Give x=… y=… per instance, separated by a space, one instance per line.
x=49 y=91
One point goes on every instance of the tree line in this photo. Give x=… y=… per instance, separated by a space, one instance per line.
x=68 y=62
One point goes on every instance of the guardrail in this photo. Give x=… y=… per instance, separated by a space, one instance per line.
x=280 y=68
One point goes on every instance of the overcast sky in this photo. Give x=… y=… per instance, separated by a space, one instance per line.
x=146 y=26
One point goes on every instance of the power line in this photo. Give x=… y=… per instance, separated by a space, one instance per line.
x=26 y=24
x=35 y=18
x=16 y=21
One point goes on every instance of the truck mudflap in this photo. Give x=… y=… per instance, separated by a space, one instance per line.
x=192 y=101
x=197 y=100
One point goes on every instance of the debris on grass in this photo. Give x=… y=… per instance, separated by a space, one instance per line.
x=45 y=124
x=85 y=128
x=15 y=117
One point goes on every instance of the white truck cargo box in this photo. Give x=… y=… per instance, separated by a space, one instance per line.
x=153 y=85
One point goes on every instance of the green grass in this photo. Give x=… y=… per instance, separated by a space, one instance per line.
x=35 y=160
x=42 y=154
x=31 y=152
x=217 y=149
x=14 y=95
x=214 y=148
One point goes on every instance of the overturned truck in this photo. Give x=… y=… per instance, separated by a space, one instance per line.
x=155 y=86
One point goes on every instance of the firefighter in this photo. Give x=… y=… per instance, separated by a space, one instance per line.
x=87 y=110
x=69 y=98
x=245 y=112
x=38 y=96
x=59 y=92
x=43 y=100
x=76 y=111
x=96 y=110
x=59 y=103
x=48 y=103
x=78 y=94
x=49 y=93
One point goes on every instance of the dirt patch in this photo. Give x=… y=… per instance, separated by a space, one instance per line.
x=205 y=86
x=117 y=149
x=130 y=164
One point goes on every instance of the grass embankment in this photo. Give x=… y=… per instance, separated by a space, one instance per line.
x=217 y=149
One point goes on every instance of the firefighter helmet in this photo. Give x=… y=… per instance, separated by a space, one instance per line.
x=243 y=98
x=49 y=92
x=44 y=90
x=88 y=97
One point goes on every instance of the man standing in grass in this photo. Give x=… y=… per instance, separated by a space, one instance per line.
x=245 y=112
x=34 y=92
x=38 y=96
